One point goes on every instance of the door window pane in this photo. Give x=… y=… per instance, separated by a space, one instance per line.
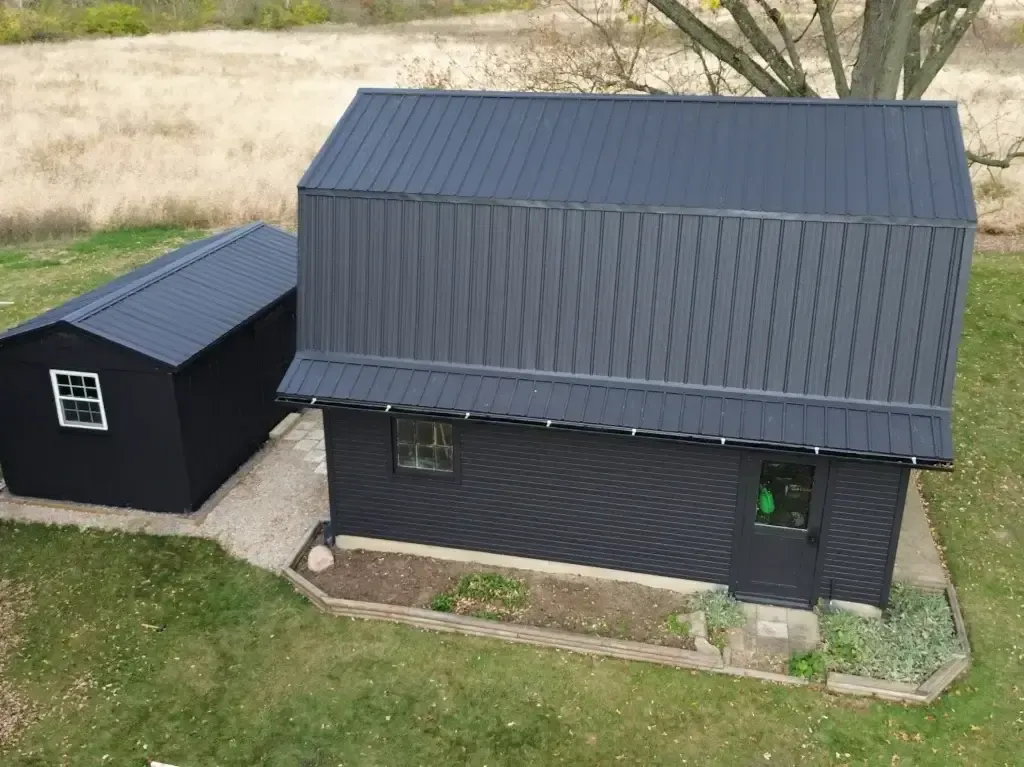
x=784 y=494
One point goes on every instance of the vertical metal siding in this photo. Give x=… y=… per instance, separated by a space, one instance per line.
x=861 y=514
x=633 y=504
x=847 y=310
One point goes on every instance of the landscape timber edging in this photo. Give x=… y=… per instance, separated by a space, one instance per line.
x=431 y=620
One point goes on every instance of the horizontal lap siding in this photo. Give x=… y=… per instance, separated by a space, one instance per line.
x=862 y=519
x=632 y=504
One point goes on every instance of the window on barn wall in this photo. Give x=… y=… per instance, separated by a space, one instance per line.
x=79 y=399
x=424 y=446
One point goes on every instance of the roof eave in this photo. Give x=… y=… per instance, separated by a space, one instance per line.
x=930 y=462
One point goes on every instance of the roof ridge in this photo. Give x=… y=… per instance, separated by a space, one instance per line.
x=910 y=103
x=145 y=281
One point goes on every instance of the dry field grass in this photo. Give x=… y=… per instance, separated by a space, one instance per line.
x=216 y=127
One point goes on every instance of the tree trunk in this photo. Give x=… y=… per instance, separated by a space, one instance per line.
x=883 y=46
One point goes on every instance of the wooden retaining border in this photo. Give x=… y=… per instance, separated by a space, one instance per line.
x=431 y=620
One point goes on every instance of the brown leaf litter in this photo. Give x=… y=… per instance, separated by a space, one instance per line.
x=15 y=711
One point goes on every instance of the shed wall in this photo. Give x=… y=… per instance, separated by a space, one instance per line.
x=610 y=501
x=840 y=309
x=226 y=397
x=864 y=510
x=137 y=462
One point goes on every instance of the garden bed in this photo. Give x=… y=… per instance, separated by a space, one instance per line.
x=577 y=604
x=629 y=621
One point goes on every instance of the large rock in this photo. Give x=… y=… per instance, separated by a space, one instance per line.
x=320 y=558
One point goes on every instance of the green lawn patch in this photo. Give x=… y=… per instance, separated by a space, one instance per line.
x=40 y=276
x=245 y=672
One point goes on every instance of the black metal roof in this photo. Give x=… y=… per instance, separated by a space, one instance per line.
x=909 y=433
x=177 y=305
x=878 y=160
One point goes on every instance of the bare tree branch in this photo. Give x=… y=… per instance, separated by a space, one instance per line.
x=714 y=83
x=935 y=61
x=810 y=23
x=835 y=58
x=721 y=48
x=762 y=44
x=787 y=40
x=1015 y=152
x=932 y=10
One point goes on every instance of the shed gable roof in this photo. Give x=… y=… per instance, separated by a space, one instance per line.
x=175 y=306
x=796 y=157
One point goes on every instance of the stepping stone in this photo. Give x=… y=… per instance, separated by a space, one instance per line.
x=772 y=613
x=772 y=629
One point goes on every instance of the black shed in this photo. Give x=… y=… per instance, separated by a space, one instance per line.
x=151 y=390
x=701 y=338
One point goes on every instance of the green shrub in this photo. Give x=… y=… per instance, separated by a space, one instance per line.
x=677 y=626
x=914 y=637
x=443 y=603
x=274 y=16
x=114 y=19
x=809 y=665
x=309 y=12
x=29 y=25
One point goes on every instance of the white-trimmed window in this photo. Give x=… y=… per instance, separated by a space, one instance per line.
x=79 y=399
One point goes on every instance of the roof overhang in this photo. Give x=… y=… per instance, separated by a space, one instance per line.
x=909 y=435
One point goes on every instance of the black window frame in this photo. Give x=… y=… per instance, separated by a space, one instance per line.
x=410 y=471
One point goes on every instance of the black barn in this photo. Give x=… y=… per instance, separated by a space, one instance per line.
x=151 y=390
x=701 y=338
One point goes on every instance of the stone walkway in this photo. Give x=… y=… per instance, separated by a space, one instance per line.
x=770 y=636
x=917 y=557
x=260 y=514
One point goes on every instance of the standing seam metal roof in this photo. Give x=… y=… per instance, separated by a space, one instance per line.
x=863 y=429
x=826 y=157
x=177 y=305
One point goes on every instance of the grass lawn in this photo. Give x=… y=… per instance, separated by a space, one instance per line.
x=245 y=672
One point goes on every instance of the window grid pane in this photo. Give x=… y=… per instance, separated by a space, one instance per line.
x=79 y=399
x=424 y=445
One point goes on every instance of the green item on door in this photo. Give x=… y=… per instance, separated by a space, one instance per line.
x=766 y=501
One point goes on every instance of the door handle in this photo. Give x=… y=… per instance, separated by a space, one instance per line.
x=812 y=537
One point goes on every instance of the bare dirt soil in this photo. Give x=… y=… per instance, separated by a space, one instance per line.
x=566 y=602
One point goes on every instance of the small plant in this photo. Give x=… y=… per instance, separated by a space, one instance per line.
x=721 y=611
x=493 y=589
x=808 y=665
x=443 y=603
x=678 y=626
x=114 y=19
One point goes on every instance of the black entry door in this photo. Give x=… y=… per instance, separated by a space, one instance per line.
x=780 y=505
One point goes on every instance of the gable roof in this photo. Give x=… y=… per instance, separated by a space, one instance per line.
x=801 y=157
x=175 y=306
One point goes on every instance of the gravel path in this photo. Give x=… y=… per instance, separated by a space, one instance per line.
x=260 y=515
